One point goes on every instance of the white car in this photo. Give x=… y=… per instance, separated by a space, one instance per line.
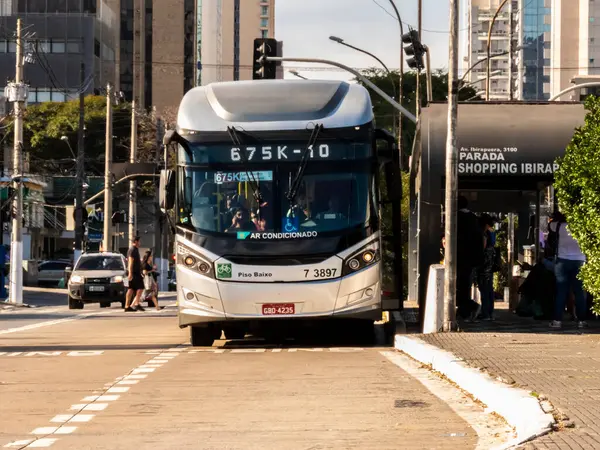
x=98 y=278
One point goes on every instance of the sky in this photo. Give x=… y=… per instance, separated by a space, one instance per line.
x=304 y=26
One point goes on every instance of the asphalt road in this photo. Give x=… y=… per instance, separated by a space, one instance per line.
x=104 y=379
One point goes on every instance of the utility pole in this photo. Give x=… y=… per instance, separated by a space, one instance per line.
x=162 y=248
x=107 y=235
x=132 y=230
x=80 y=170
x=451 y=175
x=18 y=96
x=419 y=26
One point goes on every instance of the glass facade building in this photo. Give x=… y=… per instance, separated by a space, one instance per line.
x=534 y=43
x=61 y=34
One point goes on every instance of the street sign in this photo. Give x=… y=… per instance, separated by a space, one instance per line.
x=95 y=237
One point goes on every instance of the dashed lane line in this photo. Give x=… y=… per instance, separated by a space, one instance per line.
x=111 y=392
x=48 y=323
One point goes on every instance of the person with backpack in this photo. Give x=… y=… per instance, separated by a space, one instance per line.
x=568 y=260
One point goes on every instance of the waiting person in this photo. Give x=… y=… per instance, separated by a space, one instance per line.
x=136 y=281
x=568 y=262
x=485 y=270
x=469 y=253
x=150 y=286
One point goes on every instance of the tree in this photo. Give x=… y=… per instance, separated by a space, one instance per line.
x=577 y=187
x=45 y=123
x=385 y=114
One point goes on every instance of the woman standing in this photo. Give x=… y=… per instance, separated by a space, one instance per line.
x=485 y=272
x=568 y=262
x=149 y=284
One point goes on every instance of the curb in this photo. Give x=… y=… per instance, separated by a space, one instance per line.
x=522 y=411
x=10 y=305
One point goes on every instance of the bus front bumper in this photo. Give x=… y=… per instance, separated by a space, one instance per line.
x=203 y=300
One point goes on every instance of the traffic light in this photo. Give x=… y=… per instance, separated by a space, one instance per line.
x=263 y=69
x=414 y=49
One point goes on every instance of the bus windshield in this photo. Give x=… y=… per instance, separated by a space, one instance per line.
x=224 y=201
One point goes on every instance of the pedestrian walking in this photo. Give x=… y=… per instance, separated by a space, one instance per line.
x=134 y=275
x=150 y=285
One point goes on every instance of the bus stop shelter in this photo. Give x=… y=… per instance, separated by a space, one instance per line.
x=506 y=162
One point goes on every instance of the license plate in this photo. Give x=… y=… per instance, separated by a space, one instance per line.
x=96 y=288
x=278 y=309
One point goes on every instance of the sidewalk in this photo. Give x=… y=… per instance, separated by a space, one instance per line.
x=563 y=365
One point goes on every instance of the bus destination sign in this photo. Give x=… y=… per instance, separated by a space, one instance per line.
x=279 y=152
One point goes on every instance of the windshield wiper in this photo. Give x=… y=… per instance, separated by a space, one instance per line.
x=254 y=185
x=295 y=184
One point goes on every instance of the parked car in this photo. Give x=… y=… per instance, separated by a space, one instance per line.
x=51 y=272
x=98 y=278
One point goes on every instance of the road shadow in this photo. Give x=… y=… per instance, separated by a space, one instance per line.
x=327 y=336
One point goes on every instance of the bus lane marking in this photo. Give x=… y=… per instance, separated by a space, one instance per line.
x=48 y=323
x=80 y=412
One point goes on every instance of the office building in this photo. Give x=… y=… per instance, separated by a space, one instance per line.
x=555 y=42
x=504 y=63
x=534 y=56
x=226 y=30
x=58 y=37
x=156 y=56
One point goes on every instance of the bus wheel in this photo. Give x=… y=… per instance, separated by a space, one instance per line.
x=202 y=336
x=233 y=332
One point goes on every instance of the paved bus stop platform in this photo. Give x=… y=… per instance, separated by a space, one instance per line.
x=563 y=365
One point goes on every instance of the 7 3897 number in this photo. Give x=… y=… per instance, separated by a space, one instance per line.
x=320 y=273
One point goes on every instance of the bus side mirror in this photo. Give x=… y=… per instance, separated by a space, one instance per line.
x=167 y=190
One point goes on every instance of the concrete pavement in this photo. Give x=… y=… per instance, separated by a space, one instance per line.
x=562 y=366
x=101 y=378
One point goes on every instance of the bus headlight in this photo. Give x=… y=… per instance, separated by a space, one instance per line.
x=354 y=264
x=190 y=259
x=364 y=257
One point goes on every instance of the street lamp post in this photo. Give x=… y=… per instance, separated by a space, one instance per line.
x=389 y=73
x=296 y=74
x=489 y=48
x=400 y=89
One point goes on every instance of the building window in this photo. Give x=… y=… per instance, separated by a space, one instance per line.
x=58 y=47
x=73 y=46
x=264 y=10
x=264 y=22
x=264 y=33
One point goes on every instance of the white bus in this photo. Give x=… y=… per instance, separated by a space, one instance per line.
x=276 y=205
